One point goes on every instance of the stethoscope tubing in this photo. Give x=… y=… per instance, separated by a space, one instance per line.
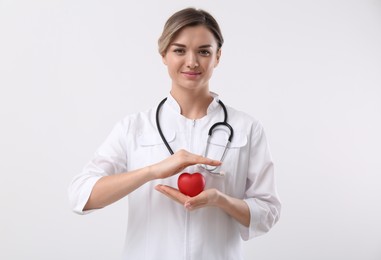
x=210 y=133
x=159 y=128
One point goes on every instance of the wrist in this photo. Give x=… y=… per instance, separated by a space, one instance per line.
x=151 y=172
x=220 y=199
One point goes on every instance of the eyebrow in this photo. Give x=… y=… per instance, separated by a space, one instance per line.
x=200 y=47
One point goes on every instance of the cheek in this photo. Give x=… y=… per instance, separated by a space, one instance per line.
x=173 y=64
x=172 y=69
x=211 y=63
x=210 y=67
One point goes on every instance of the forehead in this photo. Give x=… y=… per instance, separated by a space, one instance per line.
x=198 y=35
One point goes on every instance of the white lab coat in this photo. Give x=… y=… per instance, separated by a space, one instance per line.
x=159 y=228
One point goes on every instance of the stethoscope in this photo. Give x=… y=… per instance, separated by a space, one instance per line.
x=210 y=169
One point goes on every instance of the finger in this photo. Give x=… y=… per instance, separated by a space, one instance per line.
x=162 y=190
x=191 y=159
x=172 y=193
x=208 y=161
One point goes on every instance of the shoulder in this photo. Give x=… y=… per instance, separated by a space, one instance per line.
x=137 y=122
x=242 y=118
x=246 y=125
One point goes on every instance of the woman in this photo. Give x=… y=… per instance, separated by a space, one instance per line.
x=239 y=199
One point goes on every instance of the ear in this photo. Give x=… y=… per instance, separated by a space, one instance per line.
x=218 y=56
x=164 y=59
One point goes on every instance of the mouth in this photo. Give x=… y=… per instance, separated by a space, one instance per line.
x=191 y=73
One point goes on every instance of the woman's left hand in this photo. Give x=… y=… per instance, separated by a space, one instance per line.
x=236 y=208
x=205 y=198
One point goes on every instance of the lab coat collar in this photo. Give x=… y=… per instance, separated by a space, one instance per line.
x=171 y=101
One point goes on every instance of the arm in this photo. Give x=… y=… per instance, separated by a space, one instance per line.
x=259 y=210
x=236 y=208
x=109 y=189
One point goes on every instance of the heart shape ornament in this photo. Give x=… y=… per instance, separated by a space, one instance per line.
x=191 y=184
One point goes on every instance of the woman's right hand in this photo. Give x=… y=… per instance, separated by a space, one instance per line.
x=111 y=188
x=178 y=162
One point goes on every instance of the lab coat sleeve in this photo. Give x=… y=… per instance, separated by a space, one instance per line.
x=109 y=159
x=261 y=194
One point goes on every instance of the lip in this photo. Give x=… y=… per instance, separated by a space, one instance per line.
x=191 y=74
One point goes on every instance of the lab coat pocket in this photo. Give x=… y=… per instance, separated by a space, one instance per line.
x=151 y=147
x=151 y=139
x=218 y=145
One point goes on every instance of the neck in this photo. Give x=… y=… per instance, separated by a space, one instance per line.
x=193 y=105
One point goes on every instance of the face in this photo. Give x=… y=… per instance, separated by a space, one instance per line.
x=191 y=58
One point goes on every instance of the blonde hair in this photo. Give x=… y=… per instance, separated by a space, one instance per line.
x=184 y=18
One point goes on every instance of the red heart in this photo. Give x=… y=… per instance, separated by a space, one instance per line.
x=191 y=184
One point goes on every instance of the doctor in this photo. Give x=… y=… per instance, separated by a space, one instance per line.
x=133 y=161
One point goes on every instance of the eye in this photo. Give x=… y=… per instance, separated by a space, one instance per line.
x=179 y=51
x=205 y=53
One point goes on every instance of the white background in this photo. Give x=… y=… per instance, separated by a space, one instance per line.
x=309 y=70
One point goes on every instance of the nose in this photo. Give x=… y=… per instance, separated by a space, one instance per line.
x=191 y=61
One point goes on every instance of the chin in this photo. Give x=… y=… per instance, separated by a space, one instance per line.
x=189 y=85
